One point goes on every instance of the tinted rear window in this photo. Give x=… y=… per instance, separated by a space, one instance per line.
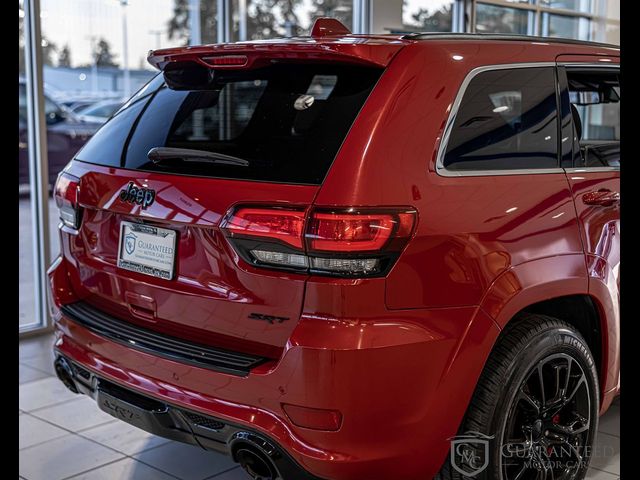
x=287 y=121
x=507 y=120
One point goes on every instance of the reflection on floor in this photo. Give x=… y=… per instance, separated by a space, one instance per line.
x=63 y=435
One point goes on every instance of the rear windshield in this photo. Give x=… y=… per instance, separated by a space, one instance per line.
x=286 y=121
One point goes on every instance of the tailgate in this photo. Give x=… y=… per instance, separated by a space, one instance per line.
x=210 y=299
x=157 y=179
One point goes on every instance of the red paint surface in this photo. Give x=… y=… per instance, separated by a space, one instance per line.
x=397 y=357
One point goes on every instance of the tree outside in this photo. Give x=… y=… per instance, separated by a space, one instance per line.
x=178 y=25
x=49 y=49
x=102 y=54
x=435 y=19
x=339 y=9
x=64 y=57
x=265 y=18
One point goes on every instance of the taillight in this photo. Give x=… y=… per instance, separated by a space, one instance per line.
x=277 y=224
x=357 y=232
x=350 y=242
x=66 y=194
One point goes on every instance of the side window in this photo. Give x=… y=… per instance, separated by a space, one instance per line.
x=595 y=104
x=507 y=120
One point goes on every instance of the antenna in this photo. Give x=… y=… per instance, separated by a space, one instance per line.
x=327 y=27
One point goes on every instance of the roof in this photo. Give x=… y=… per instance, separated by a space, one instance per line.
x=332 y=41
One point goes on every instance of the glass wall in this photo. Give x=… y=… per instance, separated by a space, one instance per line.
x=596 y=20
x=606 y=27
x=428 y=15
x=27 y=318
x=262 y=19
x=500 y=19
x=565 y=26
x=92 y=58
x=584 y=6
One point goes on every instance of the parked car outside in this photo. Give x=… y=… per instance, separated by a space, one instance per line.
x=75 y=105
x=65 y=135
x=353 y=256
x=99 y=112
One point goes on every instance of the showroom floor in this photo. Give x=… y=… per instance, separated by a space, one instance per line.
x=63 y=435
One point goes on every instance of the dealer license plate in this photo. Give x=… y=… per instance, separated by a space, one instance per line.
x=147 y=249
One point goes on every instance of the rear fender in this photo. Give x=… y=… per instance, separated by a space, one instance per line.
x=543 y=279
x=532 y=282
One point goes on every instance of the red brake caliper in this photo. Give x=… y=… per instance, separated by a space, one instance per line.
x=555 y=420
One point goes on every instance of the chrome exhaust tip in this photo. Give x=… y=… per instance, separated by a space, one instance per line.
x=256 y=456
x=256 y=464
x=65 y=373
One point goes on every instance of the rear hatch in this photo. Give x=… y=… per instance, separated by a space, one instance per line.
x=265 y=123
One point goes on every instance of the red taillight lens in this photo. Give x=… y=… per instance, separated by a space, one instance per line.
x=226 y=60
x=66 y=193
x=348 y=242
x=355 y=232
x=277 y=224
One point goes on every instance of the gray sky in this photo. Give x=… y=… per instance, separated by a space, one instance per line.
x=73 y=22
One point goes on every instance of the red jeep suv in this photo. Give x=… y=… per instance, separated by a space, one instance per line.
x=354 y=256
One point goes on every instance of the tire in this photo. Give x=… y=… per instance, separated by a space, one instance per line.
x=527 y=429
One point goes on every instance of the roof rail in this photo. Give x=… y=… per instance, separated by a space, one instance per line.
x=498 y=36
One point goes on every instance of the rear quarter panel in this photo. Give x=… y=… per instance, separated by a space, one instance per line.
x=498 y=242
x=470 y=229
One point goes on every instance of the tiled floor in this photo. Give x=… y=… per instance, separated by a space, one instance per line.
x=63 y=435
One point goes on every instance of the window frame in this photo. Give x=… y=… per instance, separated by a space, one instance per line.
x=582 y=67
x=442 y=148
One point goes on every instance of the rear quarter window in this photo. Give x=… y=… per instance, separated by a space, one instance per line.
x=507 y=120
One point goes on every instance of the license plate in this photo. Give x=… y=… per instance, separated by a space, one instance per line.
x=147 y=249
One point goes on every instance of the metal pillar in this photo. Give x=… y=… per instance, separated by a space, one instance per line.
x=125 y=49
x=195 y=37
x=242 y=21
x=361 y=16
x=38 y=161
x=224 y=21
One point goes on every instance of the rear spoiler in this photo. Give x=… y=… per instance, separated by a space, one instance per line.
x=330 y=41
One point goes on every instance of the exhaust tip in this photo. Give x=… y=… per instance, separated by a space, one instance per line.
x=65 y=373
x=256 y=464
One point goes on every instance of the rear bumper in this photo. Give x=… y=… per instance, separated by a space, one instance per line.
x=175 y=423
x=401 y=382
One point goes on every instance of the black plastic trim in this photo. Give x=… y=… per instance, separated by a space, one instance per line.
x=136 y=337
x=180 y=424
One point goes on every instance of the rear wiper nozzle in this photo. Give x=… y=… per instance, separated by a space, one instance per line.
x=159 y=154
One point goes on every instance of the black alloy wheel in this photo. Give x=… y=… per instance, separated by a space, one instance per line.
x=534 y=412
x=547 y=432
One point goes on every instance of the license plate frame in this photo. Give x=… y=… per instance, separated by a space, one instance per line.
x=147 y=249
